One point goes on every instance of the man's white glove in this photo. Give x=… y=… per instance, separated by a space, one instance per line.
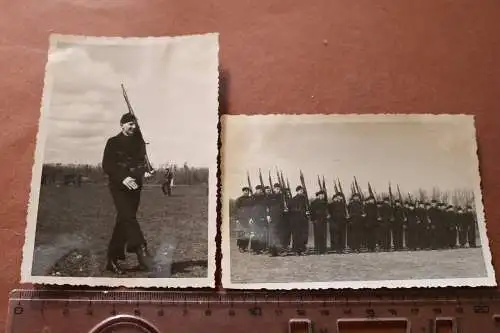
x=148 y=174
x=130 y=183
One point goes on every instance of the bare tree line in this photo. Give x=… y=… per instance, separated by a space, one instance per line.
x=77 y=174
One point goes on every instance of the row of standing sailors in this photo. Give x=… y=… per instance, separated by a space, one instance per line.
x=268 y=222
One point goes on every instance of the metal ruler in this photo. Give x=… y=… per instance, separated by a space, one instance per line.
x=416 y=311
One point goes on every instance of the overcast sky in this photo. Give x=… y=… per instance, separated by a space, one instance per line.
x=172 y=84
x=412 y=152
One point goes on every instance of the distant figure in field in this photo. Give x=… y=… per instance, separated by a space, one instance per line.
x=125 y=164
x=167 y=184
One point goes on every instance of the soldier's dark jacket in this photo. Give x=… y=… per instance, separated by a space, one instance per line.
x=434 y=216
x=276 y=206
x=355 y=209
x=259 y=207
x=371 y=211
x=385 y=212
x=412 y=216
x=421 y=215
x=243 y=208
x=124 y=156
x=337 y=210
x=319 y=210
x=399 y=214
x=298 y=206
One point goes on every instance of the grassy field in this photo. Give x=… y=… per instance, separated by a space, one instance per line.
x=401 y=265
x=75 y=225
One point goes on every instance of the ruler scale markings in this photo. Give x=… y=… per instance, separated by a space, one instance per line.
x=481 y=309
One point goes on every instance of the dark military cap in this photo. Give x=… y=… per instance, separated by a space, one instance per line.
x=469 y=206
x=277 y=185
x=337 y=195
x=267 y=188
x=386 y=199
x=298 y=188
x=259 y=187
x=320 y=192
x=450 y=207
x=245 y=188
x=126 y=118
x=434 y=201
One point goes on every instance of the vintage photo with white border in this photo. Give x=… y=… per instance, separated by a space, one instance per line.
x=352 y=201
x=124 y=181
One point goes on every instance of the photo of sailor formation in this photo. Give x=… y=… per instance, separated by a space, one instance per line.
x=270 y=219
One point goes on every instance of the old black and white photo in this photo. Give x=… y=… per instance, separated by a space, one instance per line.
x=327 y=201
x=124 y=179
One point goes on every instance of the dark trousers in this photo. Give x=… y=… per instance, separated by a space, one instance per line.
x=243 y=237
x=167 y=189
x=384 y=235
x=285 y=231
x=397 y=235
x=275 y=231
x=127 y=230
x=337 y=235
x=452 y=236
x=259 y=239
x=370 y=235
x=354 y=233
x=300 y=233
x=462 y=235
x=320 y=235
x=471 y=234
x=412 y=236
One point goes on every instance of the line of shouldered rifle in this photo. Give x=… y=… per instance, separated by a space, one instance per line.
x=356 y=192
x=149 y=167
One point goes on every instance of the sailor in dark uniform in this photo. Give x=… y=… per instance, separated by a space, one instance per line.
x=320 y=217
x=243 y=207
x=125 y=164
x=300 y=221
x=259 y=221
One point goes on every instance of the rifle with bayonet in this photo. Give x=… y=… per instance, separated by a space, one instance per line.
x=249 y=183
x=304 y=187
x=284 y=194
x=149 y=167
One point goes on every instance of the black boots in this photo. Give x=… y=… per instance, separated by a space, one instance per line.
x=114 y=267
x=144 y=258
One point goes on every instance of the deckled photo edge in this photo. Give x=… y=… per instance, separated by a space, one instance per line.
x=469 y=122
x=33 y=201
x=282 y=118
x=124 y=282
x=37 y=163
x=122 y=40
x=214 y=181
x=479 y=204
x=225 y=263
x=393 y=284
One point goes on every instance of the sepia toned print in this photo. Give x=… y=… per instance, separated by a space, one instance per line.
x=124 y=180
x=352 y=201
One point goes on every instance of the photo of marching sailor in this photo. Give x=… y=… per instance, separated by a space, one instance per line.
x=123 y=192
x=318 y=216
